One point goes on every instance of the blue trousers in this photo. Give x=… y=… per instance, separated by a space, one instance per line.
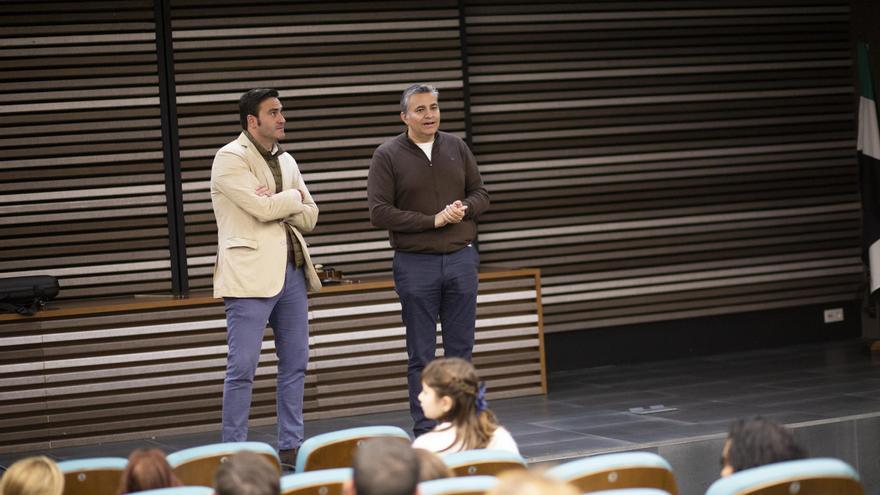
x=432 y=285
x=246 y=317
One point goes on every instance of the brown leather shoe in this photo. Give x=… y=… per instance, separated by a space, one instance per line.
x=288 y=459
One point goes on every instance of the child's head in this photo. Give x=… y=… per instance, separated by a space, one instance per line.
x=531 y=482
x=451 y=392
x=449 y=389
x=755 y=442
x=146 y=470
x=32 y=476
x=431 y=466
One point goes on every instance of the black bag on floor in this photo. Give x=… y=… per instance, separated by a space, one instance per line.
x=27 y=295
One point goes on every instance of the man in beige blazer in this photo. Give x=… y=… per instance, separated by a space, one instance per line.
x=263 y=270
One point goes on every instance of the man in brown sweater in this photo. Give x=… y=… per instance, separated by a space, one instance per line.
x=425 y=188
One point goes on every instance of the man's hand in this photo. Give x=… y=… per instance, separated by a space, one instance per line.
x=440 y=219
x=453 y=213
x=456 y=211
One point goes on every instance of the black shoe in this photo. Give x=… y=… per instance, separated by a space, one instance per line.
x=288 y=459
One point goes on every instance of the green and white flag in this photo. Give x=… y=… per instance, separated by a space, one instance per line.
x=869 y=169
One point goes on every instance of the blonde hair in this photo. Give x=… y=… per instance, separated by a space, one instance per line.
x=32 y=476
x=457 y=379
x=531 y=482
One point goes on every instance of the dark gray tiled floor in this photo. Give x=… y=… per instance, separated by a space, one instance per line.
x=588 y=411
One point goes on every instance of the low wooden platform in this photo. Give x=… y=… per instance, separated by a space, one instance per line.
x=83 y=372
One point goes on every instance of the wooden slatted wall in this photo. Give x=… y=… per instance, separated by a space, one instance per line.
x=357 y=344
x=657 y=160
x=131 y=369
x=340 y=68
x=82 y=192
x=663 y=160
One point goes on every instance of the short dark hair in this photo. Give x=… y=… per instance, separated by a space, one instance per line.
x=416 y=89
x=758 y=441
x=249 y=103
x=247 y=473
x=385 y=466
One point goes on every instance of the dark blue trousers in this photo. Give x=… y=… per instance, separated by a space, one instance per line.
x=432 y=286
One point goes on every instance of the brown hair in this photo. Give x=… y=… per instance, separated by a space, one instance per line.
x=457 y=379
x=33 y=476
x=431 y=466
x=146 y=470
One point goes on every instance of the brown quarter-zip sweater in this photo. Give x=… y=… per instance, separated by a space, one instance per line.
x=405 y=190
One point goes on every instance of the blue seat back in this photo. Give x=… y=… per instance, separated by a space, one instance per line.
x=631 y=491
x=335 y=449
x=617 y=471
x=320 y=482
x=196 y=466
x=467 y=485
x=92 y=476
x=802 y=477
x=483 y=462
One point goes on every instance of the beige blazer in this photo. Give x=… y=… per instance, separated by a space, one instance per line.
x=251 y=240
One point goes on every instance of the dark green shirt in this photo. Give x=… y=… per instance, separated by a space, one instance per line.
x=272 y=160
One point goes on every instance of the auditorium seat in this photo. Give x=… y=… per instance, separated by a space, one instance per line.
x=483 y=462
x=320 y=482
x=335 y=449
x=467 y=485
x=94 y=476
x=631 y=491
x=196 y=465
x=614 y=471
x=820 y=476
x=178 y=490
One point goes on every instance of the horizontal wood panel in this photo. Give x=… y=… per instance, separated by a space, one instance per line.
x=79 y=374
x=82 y=184
x=340 y=68
x=612 y=136
x=665 y=162
x=657 y=161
